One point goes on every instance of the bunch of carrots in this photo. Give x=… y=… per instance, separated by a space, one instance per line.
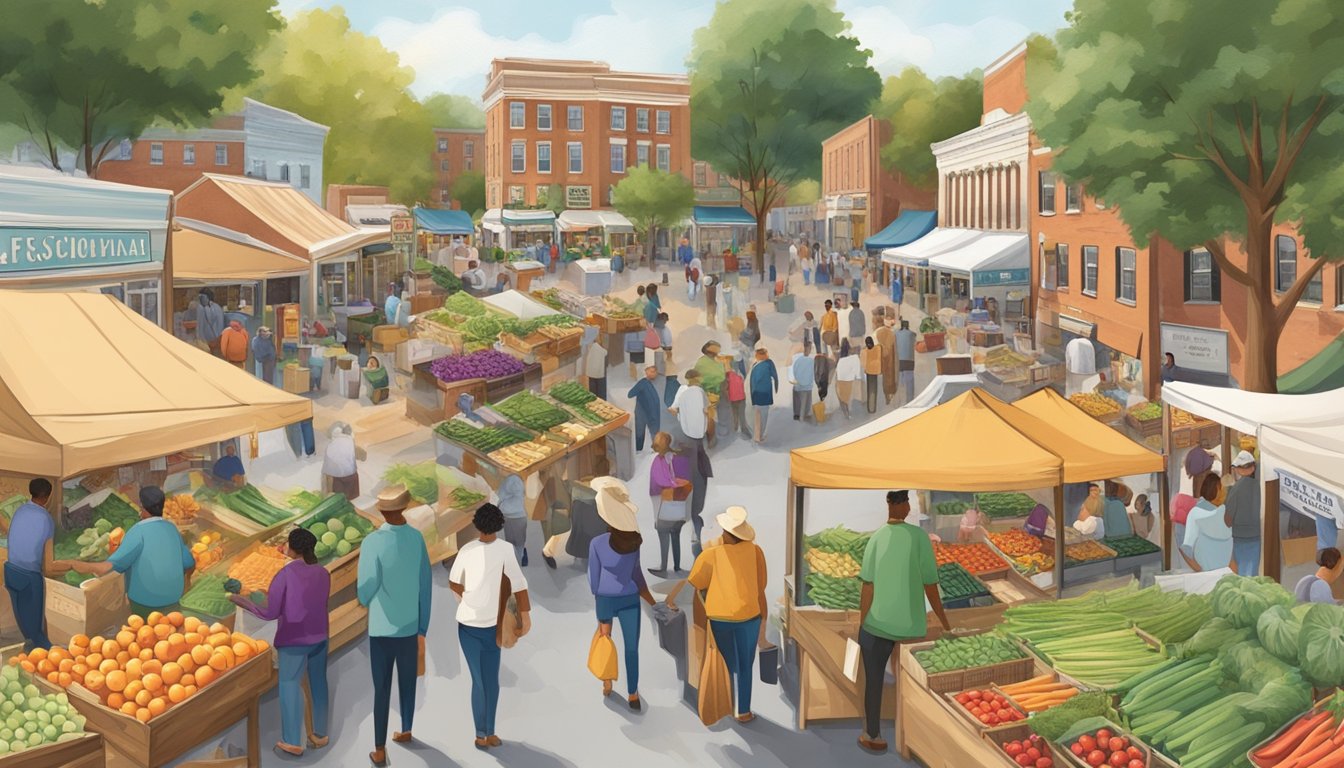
x=1314 y=741
x=1039 y=693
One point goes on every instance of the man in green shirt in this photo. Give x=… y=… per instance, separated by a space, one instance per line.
x=898 y=573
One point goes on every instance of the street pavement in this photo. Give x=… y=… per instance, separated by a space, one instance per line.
x=551 y=712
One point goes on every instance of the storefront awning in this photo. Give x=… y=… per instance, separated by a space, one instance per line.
x=206 y=252
x=520 y=219
x=578 y=221
x=907 y=228
x=722 y=216
x=440 y=221
x=492 y=221
x=1314 y=453
x=90 y=384
x=373 y=215
x=918 y=253
x=1323 y=372
x=996 y=258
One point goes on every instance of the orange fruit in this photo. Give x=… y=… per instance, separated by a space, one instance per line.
x=123 y=658
x=184 y=661
x=217 y=628
x=147 y=654
x=177 y=693
x=218 y=639
x=66 y=665
x=143 y=697
x=110 y=649
x=79 y=670
x=163 y=651
x=176 y=618
x=28 y=666
x=201 y=655
x=152 y=666
x=64 y=679
x=93 y=660
x=54 y=677
x=94 y=681
x=172 y=673
x=37 y=654
x=191 y=624
x=45 y=667
x=194 y=639
x=80 y=640
x=125 y=637
x=261 y=645
x=145 y=636
x=97 y=643
x=158 y=706
x=142 y=714
x=128 y=708
x=242 y=651
x=107 y=666
x=116 y=700
x=135 y=622
x=189 y=680
x=204 y=676
x=116 y=681
x=152 y=681
x=154 y=618
x=191 y=691
x=162 y=631
x=133 y=689
x=134 y=668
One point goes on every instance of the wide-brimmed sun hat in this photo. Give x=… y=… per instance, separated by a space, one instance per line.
x=394 y=498
x=734 y=520
x=614 y=505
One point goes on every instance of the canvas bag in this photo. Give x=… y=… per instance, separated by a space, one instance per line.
x=602 y=657
x=716 y=692
x=652 y=340
x=506 y=622
x=819 y=412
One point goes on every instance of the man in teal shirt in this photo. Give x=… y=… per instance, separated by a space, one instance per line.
x=394 y=584
x=898 y=573
x=1114 y=515
x=157 y=563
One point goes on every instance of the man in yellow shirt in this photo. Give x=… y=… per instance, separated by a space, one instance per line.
x=830 y=329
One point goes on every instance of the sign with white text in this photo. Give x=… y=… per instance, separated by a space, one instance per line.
x=1309 y=498
x=24 y=249
x=1196 y=349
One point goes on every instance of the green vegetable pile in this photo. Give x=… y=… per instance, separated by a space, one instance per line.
x=1321 y=645
x=94 y=542
x=522 y=328
x=421 y=480
x=1241 y=600
x=930 y=324
x=444 y=278
x=834 y=593
x=248 y=502
x=461 y=498
x=840 y=539
x=550 y=297
x=207 y=597
x=1149 y=411
x=482 y=329
x=950 y=508
x=465 y=304
x=950 y=653
x=74 y=578
x=32 y=719
x=1131 y=546
x=1056 y=721
x=956 y=583
x=1168 y=616
x=303 y=501
x=339 y=535
x=71 y=544
x=528 y=410
x=483 y=439
x=998 y=505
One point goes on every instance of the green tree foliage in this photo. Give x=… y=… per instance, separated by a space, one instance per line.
x=468 y=189
x=450 y=110
x=651 y=198
x=805 y=192
x=923 y=111
x=769 y=82
x=380 y=134
x=1203 y=119
x=85 y=75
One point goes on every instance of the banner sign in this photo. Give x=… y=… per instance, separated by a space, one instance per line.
x=24 y=249
x=1309 y=498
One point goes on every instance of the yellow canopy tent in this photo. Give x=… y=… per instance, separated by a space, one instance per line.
x=203 y=251
x=86 y=383
x=1110 y=454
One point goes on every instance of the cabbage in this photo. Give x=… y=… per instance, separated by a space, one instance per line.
x=1241 y=600
x=1280 y=700
x=1216 y=634
x=1320 y=646
x=1253 y=665
x=1278 y=629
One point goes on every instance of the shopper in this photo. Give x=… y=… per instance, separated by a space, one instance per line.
x=712 y=375
x=897 y=291
x=648 y=406
x=1318 y=587
x=732 y=574
x=391 y=304
x=375 y=375
x=747 y=341
x=595 y=368
x=340 y=473
x=886 y=339
x=898 y=574
x=764 y=386
x=297 y=599
x=905 y=355
x=477 y=578
x=31 y=535
x=803 y=377
x=690 y=407
x=1114 y=513
x=805 y=261
x=233 y=344
x=848 y=372
x=1091 y=519
x=711 y=285
x=209 y=319
x=872 y=370
x=513 y=505
x=1198 y=462
x=473 y=280
x=664 y=341
x=735 y=389
x=858 y=326
x=830 y=329
x=669 y=488
x=263 y=354
x=1208 y=538
x=695 y=270
x=1243 y=515
x=153 y=557
x=823 y=368
x=654 y=305
x=616 y=577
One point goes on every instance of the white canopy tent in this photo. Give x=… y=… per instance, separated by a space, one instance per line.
x=942 y=389
x=988 y=252
x=920 y=252
x=1247 y=412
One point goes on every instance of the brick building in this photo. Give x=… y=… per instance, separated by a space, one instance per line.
x=455 y=150
x=860 y=195
x=579 y=125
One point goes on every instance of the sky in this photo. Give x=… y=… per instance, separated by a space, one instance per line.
x=450 y=45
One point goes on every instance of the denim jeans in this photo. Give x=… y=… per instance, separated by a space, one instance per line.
x=27 y=593
x=295 y=660
x=669 y=537
x=626 y=610
x=385 y=653
x=762 y=417
x=1246 y=554
x=482 y=654
x=1177 y=539
x=644 y=424
x=802 y=404
x=737 y=641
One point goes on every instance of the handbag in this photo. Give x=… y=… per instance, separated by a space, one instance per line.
x=672 y=511
x=651 y=340
x=506 y=621
x=716 y=694
x=602 y=657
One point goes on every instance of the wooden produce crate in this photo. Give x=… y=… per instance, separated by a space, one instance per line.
x=501 y=387
x=1144 y=428
x=84 y=752
x=297 y=380
x=1004 y=672
x=971 y=722
x=1258 y=763
x=619 y=324
x=532 y=344
x=997 y=737
x=531 y=376
x=439 y=334
x=1151 y=757
x=89 y=609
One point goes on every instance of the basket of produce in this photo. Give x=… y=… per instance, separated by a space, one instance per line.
x=1145 y=418
x=1022 y=747
x=985 y=709
x=35 y=720
x=950 y=508
x=833 y=558
x=1099 y=407
x=1087 y=552
x=619 y=317
x=1099 y=742
x=207 y=549
x=339 y=528
x=1131 y=546
x=1037 y=562
x=527 y=410
x=977 y=558
x=208 y=599
x=585 y=404
x=1308 y=740
x=256 y=510
x=1102 y=658
x=519 y=457
x=956 y=585
x=999 y=506
x=1015 y=542
x=956 y=663
x=486 y=364
x=1039 y=693
x=550 y=297
x=181 y=508
x=483 y=439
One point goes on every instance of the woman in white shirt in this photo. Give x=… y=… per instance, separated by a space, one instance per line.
x=1090 y=522
x=847 y=371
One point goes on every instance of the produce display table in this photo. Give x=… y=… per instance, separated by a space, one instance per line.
x=928 y=729
x=84 y=752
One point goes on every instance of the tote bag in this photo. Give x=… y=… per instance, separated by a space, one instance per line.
x=602 y=657
x=716 y=694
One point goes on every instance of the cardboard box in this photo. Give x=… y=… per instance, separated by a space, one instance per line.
x=297 y=380
x=90 y=609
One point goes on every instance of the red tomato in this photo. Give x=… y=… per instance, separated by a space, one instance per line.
x=974 y=695
x=1135 y=753
x=1088 y=742
x=1077 y=749
x=1135 y=764
x=1096 y=757
x=1033 y=753
x=985 y=719
x=1013 y=748
x=962 y=698
x=1022 y=760
x=1103 y=734
x=1119 y=760
x=1116 y=744
x=1045 y=762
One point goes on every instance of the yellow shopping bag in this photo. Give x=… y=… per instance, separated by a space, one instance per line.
x=602 y=657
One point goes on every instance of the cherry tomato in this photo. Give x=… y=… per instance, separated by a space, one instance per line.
x=1096 y=757
x=1119 y=760
x=1013 y=748
x=1044 y=762
x=1022 y=760
x=1116 y=744
x=1077 y=748
x=1033 y=753
x=1135 y=764
x=1103 y=735
x=1088 y=742
x=1134 y=753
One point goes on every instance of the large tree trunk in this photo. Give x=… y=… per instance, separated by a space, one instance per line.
x=760 y=245
x=1261 y=358
x=653 y=239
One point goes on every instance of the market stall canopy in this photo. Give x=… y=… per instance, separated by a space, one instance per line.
x=528 y=220
x=940 y=240
x=493 y=221
x=1314 y=452
x=991 y=257
x=439 y=221
x=204 y=251
x=1246 y=412
x=1323 y=372
x=942 y=389
x=722 y=216
x=578 y=221
x=373 y=215
x=907 y=228
x=90 y=384
x=1112 y=455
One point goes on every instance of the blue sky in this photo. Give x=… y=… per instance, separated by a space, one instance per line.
x=450 y=44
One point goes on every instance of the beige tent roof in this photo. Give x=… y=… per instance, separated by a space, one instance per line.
x=1109 y=454
x=204 y=251
x=90 y=384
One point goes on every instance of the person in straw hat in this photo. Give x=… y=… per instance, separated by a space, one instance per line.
x=394 y=583
x=616 y=578
x=732 y=575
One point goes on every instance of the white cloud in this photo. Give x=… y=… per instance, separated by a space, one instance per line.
x=939 y=48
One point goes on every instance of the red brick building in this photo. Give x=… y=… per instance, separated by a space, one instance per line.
x=455 y=150
x=860 y=194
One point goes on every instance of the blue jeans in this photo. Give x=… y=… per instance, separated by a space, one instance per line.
x=626 y=609
x=385 y=653
x=1177 y=539
x=27 y=593
x=645 y=424
x=807 y=277
x=482 y=652
x=1327 y=533
x=737 y=641
x=1246 y=554
x=294 y=661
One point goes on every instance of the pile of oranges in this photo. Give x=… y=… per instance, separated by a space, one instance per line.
x=149 y=666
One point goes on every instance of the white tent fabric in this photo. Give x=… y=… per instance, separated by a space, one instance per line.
x=578 y=221
x=614 y=221
x=921 y=251
x=1316 y=452
x=988 y=251
x=519 y=305
x=493 y=221
x=1246 y=412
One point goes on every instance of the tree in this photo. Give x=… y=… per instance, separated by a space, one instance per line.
x=651 y=198
x=449 y=110
x=85 y=75
x=468 y=189
x=805 y=192
x=1209 y=122
x=380 y=133
x=769 y=82
x=921 y=112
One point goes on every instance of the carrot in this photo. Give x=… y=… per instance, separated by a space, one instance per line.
x=1322 y=748
x=1318 y=735
x=1333 y=760
x=1280 y=747
x=1026 y=685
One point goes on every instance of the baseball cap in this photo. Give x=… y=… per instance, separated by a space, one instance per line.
x=1243 y=459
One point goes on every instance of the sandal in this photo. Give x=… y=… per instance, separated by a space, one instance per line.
x=318 y=742
x=282 y=749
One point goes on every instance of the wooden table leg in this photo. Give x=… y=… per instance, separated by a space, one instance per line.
x=902 y=748
x=254 y=734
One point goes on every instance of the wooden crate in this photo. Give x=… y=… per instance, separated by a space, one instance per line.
x=950 y=698
x=501 y=387
x=84 y=752
x=89 y=609
x=1014 y=671
x=297 y=380
x=1144 y=428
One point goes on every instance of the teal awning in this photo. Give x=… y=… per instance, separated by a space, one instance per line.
x=722 y=216
x=443 y=222
x=1321 y=373
x=907 y=228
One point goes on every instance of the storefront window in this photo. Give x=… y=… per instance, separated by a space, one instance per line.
x=142 y=296
x=282 y=290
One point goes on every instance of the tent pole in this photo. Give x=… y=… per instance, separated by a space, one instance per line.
x=1164 y=488
x=797 y=508
x=166 y=304
x=1227 y=450
x=1273 y=547
x=1059 y=540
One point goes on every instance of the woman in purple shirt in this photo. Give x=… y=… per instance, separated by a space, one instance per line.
x=615 y=576
x=297 y=598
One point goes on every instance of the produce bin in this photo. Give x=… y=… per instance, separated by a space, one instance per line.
x=1018 y=732
x=969 y=719
x=1014 y=671
x=1091 y=725
x=89 y=609
x=83 y=752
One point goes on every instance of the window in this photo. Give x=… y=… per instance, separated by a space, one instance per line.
x=575 y=118
x=142 y=296
x=1062 y=264
x=618 y=158
x=1126 y=275
x=259 y=169
x=188 y=154
x=1285 y=269
x=517 y=114
x=124 y=150
x=664 y=157
x=443 y=195
x=517 y=193
x=611 y=194
x=642 y=155
x=1090 y=270
x=1049 y=272
x=221 y=154
x=284 y=172
x=543 y=117
x=701 y=175
x=518 y=157
x=664 y=121
x=305 y=175
x=618 y=118
x=156 y=153
x=466 y=163
x=1073 y=198
x=543 y=194
x=642 y=120
x=543 y=157
x=1047 y=193
x=575 y=150
x=443 y=145
x=468 y=148
x=1201 y=277
x=443 y=165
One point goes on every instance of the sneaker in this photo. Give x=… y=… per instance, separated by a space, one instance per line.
x=550 y=561
x=524 y=563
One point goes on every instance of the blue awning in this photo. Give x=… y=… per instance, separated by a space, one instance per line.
x=443 y=222
x=722 y=216
x=907 y=228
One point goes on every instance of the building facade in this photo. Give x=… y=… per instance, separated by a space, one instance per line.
x=860 y=195
x=456 y=150
x=578 y=126
x=259 y=141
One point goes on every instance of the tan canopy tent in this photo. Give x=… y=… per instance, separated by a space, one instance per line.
x=203 y=251
x=1110 y=453
x=90 y=384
